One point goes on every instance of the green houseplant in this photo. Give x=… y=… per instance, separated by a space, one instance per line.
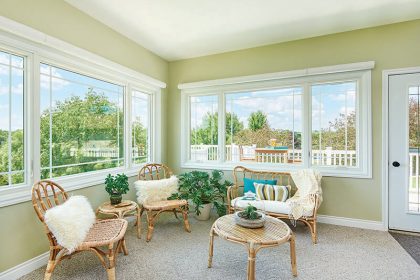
x=204 y=190
x=116 y=186
x=250 y=217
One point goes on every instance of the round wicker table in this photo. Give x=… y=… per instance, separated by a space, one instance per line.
x=124 y=209
x=275 y=232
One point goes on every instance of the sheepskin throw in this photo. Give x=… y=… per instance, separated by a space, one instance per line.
x=155 y=190
x=70 y=222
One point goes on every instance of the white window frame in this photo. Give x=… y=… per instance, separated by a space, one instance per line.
x=359 y=72
x=38 y=48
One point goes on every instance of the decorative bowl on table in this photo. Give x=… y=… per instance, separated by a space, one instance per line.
x=241 y=220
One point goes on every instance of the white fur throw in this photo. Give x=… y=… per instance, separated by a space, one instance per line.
x=71 y=221
x=155 y=190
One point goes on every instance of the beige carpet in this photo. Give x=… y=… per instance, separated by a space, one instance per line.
x=342 y=253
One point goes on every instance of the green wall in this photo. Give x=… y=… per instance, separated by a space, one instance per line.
x=22 y=236
x=390 y=46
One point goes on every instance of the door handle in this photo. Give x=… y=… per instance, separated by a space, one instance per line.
x=396 y=164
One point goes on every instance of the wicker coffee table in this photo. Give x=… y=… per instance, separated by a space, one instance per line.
x=124 y=209
x=275 y=232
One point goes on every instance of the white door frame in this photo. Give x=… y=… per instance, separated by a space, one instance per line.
x=385 y=135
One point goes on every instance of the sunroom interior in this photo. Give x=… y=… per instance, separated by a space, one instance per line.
x=288 y=127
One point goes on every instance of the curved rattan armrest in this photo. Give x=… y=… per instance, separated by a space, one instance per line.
x=232 y=193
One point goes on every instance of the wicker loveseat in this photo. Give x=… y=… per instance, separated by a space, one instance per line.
x=275 y=209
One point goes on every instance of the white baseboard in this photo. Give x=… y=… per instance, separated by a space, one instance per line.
x=25 y=267
x=350 y=222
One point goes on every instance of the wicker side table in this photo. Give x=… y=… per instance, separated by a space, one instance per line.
x=275 y=232
x=125 y=209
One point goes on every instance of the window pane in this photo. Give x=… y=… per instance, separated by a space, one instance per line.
x=264 y=126
x=203 y=124
x=334 y=124
x=140 y=126
x=12 y=150
x=414 y=149
x=82 y=122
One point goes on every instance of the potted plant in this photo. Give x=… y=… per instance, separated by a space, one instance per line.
x=116 y=186
x=250 y=217
x=204 y=190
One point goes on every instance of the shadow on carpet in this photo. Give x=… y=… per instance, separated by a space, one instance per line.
x=410 y=243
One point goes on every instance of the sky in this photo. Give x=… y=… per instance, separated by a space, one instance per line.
x=64 y=85
x=283 y=107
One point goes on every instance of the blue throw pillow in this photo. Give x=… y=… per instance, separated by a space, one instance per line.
x=249 y=184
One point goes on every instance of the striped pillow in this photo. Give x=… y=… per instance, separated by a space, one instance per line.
x=272 y=192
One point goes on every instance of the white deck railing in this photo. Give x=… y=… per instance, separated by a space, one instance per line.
x=106 y=152
x=232 y=152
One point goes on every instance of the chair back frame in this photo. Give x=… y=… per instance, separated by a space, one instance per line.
x=45 y=195
x=154 y=171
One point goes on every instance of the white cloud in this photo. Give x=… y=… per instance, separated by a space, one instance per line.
x=15 y=89
x=57 y=83
x=17 y=121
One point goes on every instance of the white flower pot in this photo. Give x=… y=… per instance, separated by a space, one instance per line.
x=204 y=212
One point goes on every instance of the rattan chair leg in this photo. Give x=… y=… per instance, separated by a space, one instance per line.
x=211 y=246
x=187 y=226
x=124 y=246
x=51 y=264
x=312 y=227
x=111 y=263
x=151 y=225
x=139 y=226
x=175 y=213
x=251 y=262
x=293 y=255
x=49 y=270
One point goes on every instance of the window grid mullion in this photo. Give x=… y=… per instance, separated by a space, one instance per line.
x=9 y=136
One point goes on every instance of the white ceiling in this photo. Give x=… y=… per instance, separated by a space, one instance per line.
x=178 y=29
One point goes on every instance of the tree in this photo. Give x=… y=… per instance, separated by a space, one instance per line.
x=413 y=109
x=207 y=133
x=233 y=127
x=75 y=122
x=257 y=120
x=340 y=134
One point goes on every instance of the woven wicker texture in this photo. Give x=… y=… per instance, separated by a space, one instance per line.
x=107 y=208
x=104 y=232
x=166 y=204
x=274 y=231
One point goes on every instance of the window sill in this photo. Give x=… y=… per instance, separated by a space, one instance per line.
x=325 y=171
x=18 y=194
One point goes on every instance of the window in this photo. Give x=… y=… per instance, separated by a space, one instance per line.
x=204 y=128
x=311 y=120
x=82 y=123
x=334 y=124
x=257 y=119
x=70 y=115
x=12 y=94
x=140 y=126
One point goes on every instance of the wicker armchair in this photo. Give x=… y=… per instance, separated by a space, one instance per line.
x=155 y=171
x=240 y=172
x=106 y=233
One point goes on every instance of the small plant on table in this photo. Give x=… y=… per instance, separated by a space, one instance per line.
x=116 y=186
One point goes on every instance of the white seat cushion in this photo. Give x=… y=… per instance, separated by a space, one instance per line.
x=266 y=205
x=149 y=191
